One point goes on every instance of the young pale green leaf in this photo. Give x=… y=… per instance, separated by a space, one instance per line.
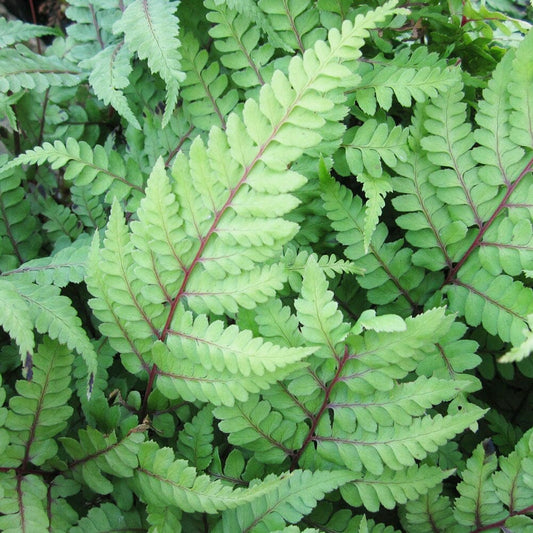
x=108 y=517
x=12 y=31
x=523 y=350
x=109 y=75
x=322 y=322
x=150 y=29
x=195 y=439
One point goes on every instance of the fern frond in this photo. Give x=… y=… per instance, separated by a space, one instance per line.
x=194 y=440
x=277 y=324
x=254 y=426
x=164 y=480
x=53 y=314
x=431 y=512
x=232 y=229
x=296 y=23
x=417 y=75
x=19 y=234
x=40 y=410
x=95 y=454
x=151 y=29
x=110 y=69
x=478 y=503
x=192 y=381
x=295 y=496
x=237 y=37
x=393 y=487
x=204 y=90
x=501 y=304
x=108 y=517
x=394 y=446
x=499 y=155
x=388 y=270
x=164 y=518
x=322 y=322
x=67 y=265
x=20 y=69
x=521 y=95
x=523 y=350
x=398 y=406
x=13 y=31
x=15 y=319
x=91 y=30
x=118 y=302
x=61 y=220
x=104 y=170
x=23 y=505
x=512 y=482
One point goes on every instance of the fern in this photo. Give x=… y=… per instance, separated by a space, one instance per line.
x=260 y=264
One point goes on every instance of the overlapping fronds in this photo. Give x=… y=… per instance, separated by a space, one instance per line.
x=13 y=31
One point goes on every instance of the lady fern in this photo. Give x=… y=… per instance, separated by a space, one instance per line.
x=258 y=260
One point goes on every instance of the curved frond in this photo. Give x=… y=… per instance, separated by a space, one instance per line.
x=108 y=517
x=151 y=29
x=12 y=31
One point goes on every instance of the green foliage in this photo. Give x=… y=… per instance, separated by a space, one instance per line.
x=266 y=266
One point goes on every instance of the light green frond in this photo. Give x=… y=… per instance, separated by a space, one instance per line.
x=397 y=406
x=322 y=322
x=296 y=22
x=255 y=426
x=499 y=155
x=95 y=454
x=205 y=93
x=16 y=319
x=523 y=350
x=164 y=480
x=229 y=363
x=277 y=324
x=394 y=446
x=237 y=38
x=372 y=142
x=20 y=69
x=109 y=75
x=507 y=245
x=53 y=314
x=12 y=31
x=521 y=95
x=39 y=411
x=388 y=270
x=91 y=28
x=500 y=303
x=67 y=265
x=478 y=503
x=104 y=170
x=393 y=487
x=295 y=495
x=409 y=76
x=429 y=224
x=224 y=348
x=151 y=29
x=449 y=142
